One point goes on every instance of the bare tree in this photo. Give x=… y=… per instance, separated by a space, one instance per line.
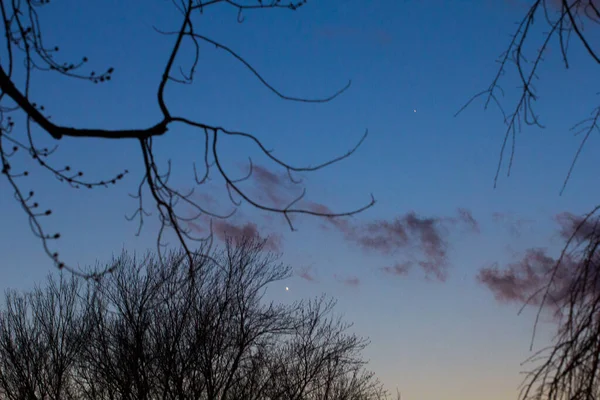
x=27 y=56
x=150 y=331
x=562 y=21
x=570 y=367
x=320 y=361
x=42 y=334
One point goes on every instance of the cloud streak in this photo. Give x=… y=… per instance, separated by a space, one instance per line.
x=276 y=188
x=306 y=274
x=410 y=240
x=399 y=269
x=467 y=218
x=351 y=281
x=576 y=227
x=224 y=228
x=521 y=280
x=537 y=273
x=424 y=240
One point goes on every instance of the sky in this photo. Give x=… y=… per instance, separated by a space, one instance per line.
x=415 y=273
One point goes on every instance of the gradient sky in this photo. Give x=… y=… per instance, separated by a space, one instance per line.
x=434 y=339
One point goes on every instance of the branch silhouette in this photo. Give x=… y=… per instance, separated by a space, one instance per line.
x=24 y=36
x=569 y=368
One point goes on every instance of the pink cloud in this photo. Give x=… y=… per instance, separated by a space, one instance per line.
x=576 y=226
x=277 y=188
x=536 y=272
x=223 y=228
x=265 y=177
x=411 y=239
x=382 y=236
x=399 y=269
x=340 y=223
x=197 y=227
x=467 y=217
x=307 y=274
x=351 y=281
x=425 y=240
x=520 y=281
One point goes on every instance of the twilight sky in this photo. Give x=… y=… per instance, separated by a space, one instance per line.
x=414 y=272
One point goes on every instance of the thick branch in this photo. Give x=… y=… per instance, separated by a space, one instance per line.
x=57 y=132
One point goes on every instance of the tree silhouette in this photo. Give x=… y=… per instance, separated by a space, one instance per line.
x=150 y=331
x=570 y=367
x=27 y=55
x=562 y=21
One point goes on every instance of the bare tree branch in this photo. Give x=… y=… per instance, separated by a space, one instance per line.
x=151 y=331
x=569 y=368
x=24 y=36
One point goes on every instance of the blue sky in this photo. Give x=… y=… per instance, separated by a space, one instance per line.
x=433 y=340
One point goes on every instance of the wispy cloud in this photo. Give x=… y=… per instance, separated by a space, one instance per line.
x=536 y=273
x=521 y=280
x=277 y=188
x=340 y=223
x=422 y=239
x=269 y=183
x=576 y=226
x=307 y=274
x=409 y=239
x=466 y=216
x=351 y=281
x=224 y=228
x=400 y=269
